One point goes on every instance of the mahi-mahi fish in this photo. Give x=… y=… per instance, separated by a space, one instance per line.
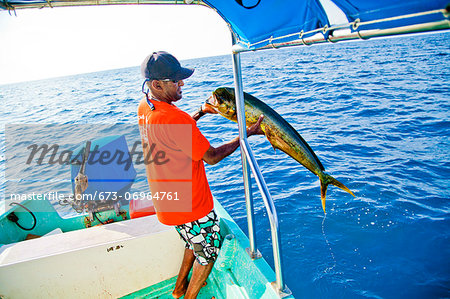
x=278 y=131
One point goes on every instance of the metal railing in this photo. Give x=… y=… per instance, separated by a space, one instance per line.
x=249 y=162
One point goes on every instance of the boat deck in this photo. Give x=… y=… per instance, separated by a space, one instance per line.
x=137 y=258
x=164 y=290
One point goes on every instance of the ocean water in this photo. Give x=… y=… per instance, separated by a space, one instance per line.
x=375 y=112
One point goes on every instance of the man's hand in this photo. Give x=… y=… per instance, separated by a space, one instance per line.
x=215 y=155
x=205 y=108
x=256 y=128
x=208 y=109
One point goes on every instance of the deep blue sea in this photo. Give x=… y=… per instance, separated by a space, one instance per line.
x=377 y=114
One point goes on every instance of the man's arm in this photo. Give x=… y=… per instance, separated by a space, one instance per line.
x=197 y=114
x=214 y=155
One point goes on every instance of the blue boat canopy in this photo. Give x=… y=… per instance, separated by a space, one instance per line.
x=262 y=24
x=272 y=23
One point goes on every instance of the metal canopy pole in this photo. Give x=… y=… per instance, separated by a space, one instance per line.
x=252 y=251
x=248 y=159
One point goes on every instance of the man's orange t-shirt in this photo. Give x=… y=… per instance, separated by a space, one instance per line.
x=173 y=150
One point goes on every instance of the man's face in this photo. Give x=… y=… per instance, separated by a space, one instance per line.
x=172 y=90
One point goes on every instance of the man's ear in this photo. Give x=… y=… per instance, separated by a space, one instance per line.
x=156 y=84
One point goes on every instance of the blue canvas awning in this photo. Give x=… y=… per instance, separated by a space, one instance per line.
x=270 y=23
x=260 y=24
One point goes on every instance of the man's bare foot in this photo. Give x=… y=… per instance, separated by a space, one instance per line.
x=180 y=291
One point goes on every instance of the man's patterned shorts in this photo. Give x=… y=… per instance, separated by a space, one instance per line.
x=203 y=237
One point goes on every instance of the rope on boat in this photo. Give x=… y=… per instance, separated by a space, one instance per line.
x=17 y=223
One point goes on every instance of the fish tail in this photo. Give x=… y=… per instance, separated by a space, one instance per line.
x=338 y=184
x=323 y=193
x=324 y=182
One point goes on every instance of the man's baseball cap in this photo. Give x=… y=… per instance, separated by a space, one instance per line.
x=162 y=65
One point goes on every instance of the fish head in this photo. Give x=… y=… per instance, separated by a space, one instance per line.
x=223 y=102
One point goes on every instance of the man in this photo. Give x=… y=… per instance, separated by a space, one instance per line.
x=177 y=149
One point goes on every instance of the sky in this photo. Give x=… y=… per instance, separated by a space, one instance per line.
x=52 y=42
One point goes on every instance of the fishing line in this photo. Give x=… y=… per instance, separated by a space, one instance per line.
x=329 y=246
